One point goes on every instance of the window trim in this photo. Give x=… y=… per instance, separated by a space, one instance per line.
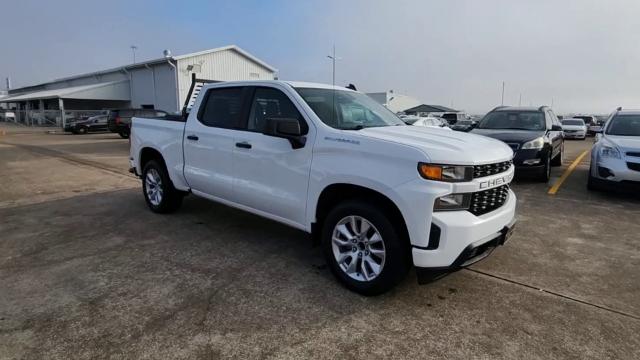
x=251 y=96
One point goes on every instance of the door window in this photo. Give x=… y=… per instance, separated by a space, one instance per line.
x=222 y=108
x=272 y=103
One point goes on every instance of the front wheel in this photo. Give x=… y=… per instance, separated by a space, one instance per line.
x=545 y=175
x=557 y=161
x=364 y=250
x=158 y=190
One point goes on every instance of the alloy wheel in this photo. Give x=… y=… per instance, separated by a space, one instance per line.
x=153 y=184
x=358 y=248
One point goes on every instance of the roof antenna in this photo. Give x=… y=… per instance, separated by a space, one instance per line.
x=352 y=87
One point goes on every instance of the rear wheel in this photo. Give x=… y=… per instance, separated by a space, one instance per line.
x=159 y=193
x=363 y=249
x=124 y=134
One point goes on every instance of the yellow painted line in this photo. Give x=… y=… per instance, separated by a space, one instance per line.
x=574 y=164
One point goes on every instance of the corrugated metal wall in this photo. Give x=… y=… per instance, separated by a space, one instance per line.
x=227 y=65
x=156 y=86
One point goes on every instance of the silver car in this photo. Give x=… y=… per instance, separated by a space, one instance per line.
x=615 y=157
x=574 y=129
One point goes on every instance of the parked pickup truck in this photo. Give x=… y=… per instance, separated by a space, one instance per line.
x=379 y=196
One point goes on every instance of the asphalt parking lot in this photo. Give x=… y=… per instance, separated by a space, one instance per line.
x=86 y=271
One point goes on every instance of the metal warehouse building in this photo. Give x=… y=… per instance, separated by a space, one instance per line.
x=156 y=84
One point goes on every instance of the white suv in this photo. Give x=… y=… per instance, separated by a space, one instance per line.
x=615 y=157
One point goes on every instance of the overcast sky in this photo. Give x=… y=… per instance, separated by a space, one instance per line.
x=582 y=54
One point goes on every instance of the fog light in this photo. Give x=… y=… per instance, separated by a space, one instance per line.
x=532 y=161
x=605 y=172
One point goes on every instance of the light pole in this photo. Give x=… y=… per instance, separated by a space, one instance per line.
x=502 y=100
x=333 y=59
x=133 y=50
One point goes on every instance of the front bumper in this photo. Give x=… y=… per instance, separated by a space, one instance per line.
x=463 y=235
x=618 y=167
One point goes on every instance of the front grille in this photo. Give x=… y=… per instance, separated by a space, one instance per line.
x=486 y=201
x=571 y=131
x=634 y=154
x=490 y=169
x=514 y=146
x=633 y=166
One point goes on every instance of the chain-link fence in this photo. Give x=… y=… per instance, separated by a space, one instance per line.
x=52 y=118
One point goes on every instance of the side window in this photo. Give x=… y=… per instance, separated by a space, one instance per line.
x=222 y=108
x=272 y=103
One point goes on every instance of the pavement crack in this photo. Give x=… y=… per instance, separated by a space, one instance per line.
x=557 y=294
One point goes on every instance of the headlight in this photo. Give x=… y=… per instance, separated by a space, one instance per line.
x=449 y=173
x=610 y=152
x=534 y=144
x=452 y=202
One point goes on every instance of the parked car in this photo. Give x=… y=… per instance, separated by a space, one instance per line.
x=590 y=121
x=7 y=116
x=574 y=129
x=615 y=157
x=432 y=122
x=464 y=125
x=378 y=195
x=534 y=134
x=96 y=123
x=119 y=120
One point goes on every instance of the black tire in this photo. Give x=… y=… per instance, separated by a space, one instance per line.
x=396 y=262
x=82 y=130
x=123 y=134
x=557 y=161
x=592 y=183
x=545 y=174
x=170 y=198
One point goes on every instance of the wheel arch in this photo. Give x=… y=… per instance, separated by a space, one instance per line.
x=336 y=193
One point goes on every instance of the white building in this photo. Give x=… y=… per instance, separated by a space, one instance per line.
x=156 y=84
x=394 y=101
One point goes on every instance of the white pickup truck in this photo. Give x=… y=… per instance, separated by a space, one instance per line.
x=378 y=195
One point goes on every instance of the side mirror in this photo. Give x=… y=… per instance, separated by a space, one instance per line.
x=286 y=128
x=556 y=128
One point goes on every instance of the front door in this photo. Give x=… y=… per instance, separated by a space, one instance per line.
x=271 y=176
x=209 y=142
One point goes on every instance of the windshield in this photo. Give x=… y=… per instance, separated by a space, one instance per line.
x=624 y=125
x=520 y=120
x=573 y=122
x=347 y=110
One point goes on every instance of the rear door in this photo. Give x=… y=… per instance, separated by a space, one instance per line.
x=209 y=141
x=271 y=176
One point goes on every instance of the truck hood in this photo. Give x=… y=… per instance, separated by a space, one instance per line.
x=444 y=146
x=510 y=136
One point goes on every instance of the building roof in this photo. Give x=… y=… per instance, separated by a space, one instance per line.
x=156 y=61
x=430 y=108
x=114 y=90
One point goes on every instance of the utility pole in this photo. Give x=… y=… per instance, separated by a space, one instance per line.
x=551 y=102
x=133 y=50
x=502 y=101
x=333 y=59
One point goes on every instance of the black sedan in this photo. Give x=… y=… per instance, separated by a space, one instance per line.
x=93 y=124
